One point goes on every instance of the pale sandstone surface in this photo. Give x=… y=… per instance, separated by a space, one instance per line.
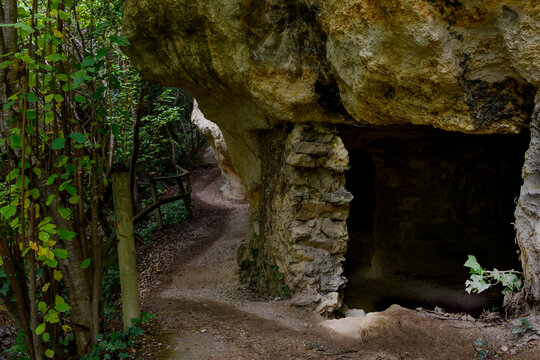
x=232 y=187
x=259 y=67
x=463 y=66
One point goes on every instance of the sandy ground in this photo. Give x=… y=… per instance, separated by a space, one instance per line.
x=188 y=279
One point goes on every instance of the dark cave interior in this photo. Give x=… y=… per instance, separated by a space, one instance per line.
x=423 y=200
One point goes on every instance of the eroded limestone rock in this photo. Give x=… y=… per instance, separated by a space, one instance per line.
x=233 y=187
x=260 y=66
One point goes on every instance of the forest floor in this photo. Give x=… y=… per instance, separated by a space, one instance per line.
x=189 y=280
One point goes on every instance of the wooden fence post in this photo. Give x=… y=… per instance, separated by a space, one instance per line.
x=155 y=199
x=127 y=263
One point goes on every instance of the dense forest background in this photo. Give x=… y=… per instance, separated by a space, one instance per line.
x=72 y=107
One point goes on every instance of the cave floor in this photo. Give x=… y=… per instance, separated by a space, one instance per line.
x=188 y=279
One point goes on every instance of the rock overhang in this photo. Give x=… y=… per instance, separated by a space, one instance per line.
x=259 y=69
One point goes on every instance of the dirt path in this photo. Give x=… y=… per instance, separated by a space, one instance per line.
x=189 y=280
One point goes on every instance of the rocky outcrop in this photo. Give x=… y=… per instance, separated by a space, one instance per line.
x=302 y=233
x=232 y=187
x=458 y=65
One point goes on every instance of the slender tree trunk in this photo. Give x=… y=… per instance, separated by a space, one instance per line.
x=126 y=248
x=135 y=153
x=75 y=279
x=97 y=257
x=528 y=219
x=32 y=290
x=21 y=302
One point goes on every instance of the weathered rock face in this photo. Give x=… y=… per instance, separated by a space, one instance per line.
x=469 y=66
x=233 y=187
x=301 y=236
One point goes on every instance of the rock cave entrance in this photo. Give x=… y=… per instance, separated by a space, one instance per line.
x=423 y=200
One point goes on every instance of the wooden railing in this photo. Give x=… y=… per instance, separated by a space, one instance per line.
x=183 y=193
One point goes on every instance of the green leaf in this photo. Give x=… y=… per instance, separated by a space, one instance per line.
x=79 y=75
x=42 y=306
x=61 y=253
x=49 y=97
x=16 y=141
x=6 y=64
x=120 y=40
x=56 y=57
x=51 y=179
x=58 y=275
x=40 y=329
x=25 y=251
x=115 y=129
x=8 y=105
x=88 y=62
x=473 y=264
x=8 y=211
x=44 y=236
x=37 y=171
x=58 y=98
x=62 y=77
x=60 y=304
x=34 y=193
x=101 y=53
x=64 y=212
x=70 y=189
x=31 y=97
x=66 y=234
x=24 y=28
x=74 y=199
x=46 y=67
x=51 y=263
x=49 y=200
x=49 y=117
x=78 y=137
x=80 y=99
x=46 y=337
x=51 y=317
x=50 y=228
x=62 y=307
x=85 y=263
x=49 y=353
x=63 y=15
x=13 y=174
x=58 y=144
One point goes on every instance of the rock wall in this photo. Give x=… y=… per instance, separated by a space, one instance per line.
x=258 y=66
x=233 y=187
x=302 y=217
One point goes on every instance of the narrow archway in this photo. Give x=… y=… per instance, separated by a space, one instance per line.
x=424 y=200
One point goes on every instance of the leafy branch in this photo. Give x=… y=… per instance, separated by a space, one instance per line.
x=482 y=279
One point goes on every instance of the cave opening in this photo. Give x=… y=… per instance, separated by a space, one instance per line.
x=423 y=200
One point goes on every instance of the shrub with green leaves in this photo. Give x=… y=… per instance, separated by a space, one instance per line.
x=482 y=279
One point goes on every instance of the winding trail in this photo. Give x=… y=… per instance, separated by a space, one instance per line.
x=189 y=279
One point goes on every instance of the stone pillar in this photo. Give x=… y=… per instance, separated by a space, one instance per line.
x=528 y=219
x=302 y=217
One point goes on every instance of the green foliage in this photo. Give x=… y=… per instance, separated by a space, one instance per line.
x=524 y=327
x=481 y=279
x=111 y=284
x=19 y=350
x=117 y=344
x=481 y=348
x=171 y=213
x=58 y=119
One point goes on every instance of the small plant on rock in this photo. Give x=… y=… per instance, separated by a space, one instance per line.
x=482 y=279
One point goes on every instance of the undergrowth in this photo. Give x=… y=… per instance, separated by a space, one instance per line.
x=171 y=213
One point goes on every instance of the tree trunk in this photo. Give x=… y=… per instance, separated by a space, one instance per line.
x=528 y=220
x=126 y=248
x=78 y=288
